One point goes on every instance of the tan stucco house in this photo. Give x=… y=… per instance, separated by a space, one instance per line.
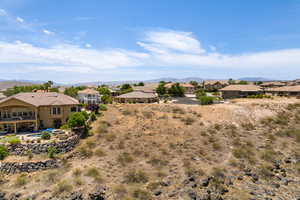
x=239 y=91
x=211 y=85
x=89 y=96
x=136 y=97
x=25 y=112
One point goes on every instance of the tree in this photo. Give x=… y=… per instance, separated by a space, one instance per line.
x=106 y=99
x=126 y=88
x=47 y=85
x=194 y=83
x=200 y=93
x=176 y=90
x=73 y=91
x=243 y=82
x=141 y=84
x=77 y=119
x=161 y=89
x=103 y=91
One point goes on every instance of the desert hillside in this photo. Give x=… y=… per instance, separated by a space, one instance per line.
x=241 y=150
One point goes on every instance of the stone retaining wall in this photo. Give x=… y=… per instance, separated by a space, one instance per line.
x=38 y=148
x=19 y=167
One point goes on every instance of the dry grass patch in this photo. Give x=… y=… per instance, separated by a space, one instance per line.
x=94 y=173
x=134 y=176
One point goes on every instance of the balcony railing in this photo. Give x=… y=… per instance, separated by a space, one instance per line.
x=17 y=119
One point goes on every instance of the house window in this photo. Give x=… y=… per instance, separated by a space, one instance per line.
x=73 y=109
x=56 y=111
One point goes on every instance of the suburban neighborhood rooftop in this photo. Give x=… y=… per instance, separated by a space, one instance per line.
x=43 y=99
x=88 y=91
x=137 y=94
x=295 y=88
x=249 y=88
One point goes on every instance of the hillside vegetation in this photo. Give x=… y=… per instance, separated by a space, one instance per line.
x=246 y=149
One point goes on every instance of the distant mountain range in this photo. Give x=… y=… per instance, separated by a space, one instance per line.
x=4 y=84
x=255 y=79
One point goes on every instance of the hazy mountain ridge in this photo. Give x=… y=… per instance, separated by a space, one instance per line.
x=4 y=84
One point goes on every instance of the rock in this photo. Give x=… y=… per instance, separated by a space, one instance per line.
x=205 y=182
x=193 y=195
x=157 y=193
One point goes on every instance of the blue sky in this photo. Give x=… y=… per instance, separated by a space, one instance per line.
x=78 y=41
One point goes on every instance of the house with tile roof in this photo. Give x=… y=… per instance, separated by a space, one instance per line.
x=136 y=97
x=239 y=91
x=214 y=85
x=272 y=84
x=25 y=112
x=89 y=96
x=291 y=91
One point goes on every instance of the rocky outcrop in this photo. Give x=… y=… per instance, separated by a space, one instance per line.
x=19 y=167
x=39 y=148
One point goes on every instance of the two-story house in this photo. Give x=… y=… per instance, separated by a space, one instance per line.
x=25 y=112
x=89 y=97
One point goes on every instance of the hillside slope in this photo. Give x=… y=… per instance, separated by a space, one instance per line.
x=246 y=149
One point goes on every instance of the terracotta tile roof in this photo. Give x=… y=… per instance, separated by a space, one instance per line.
x=43 y=99
x=186 y=85
x=137 y=95
x=295 y=88
x=88 y=91
x=243 y=88
x=275 y=83
x=212 y=82
x=146 y=88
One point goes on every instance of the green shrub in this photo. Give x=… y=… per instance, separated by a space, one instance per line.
x=64 y=127
x=52 y=152
x=93 y=116
x=206 y=100
x=14 y=140
x=46 y=136
x=102 y=107
x=3 y=152
x=77 y=119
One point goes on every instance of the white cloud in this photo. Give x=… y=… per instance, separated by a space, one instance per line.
x=47 y=32
x=166 y=41
x=66 y=57
x=19 y=19
x=173 y=49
